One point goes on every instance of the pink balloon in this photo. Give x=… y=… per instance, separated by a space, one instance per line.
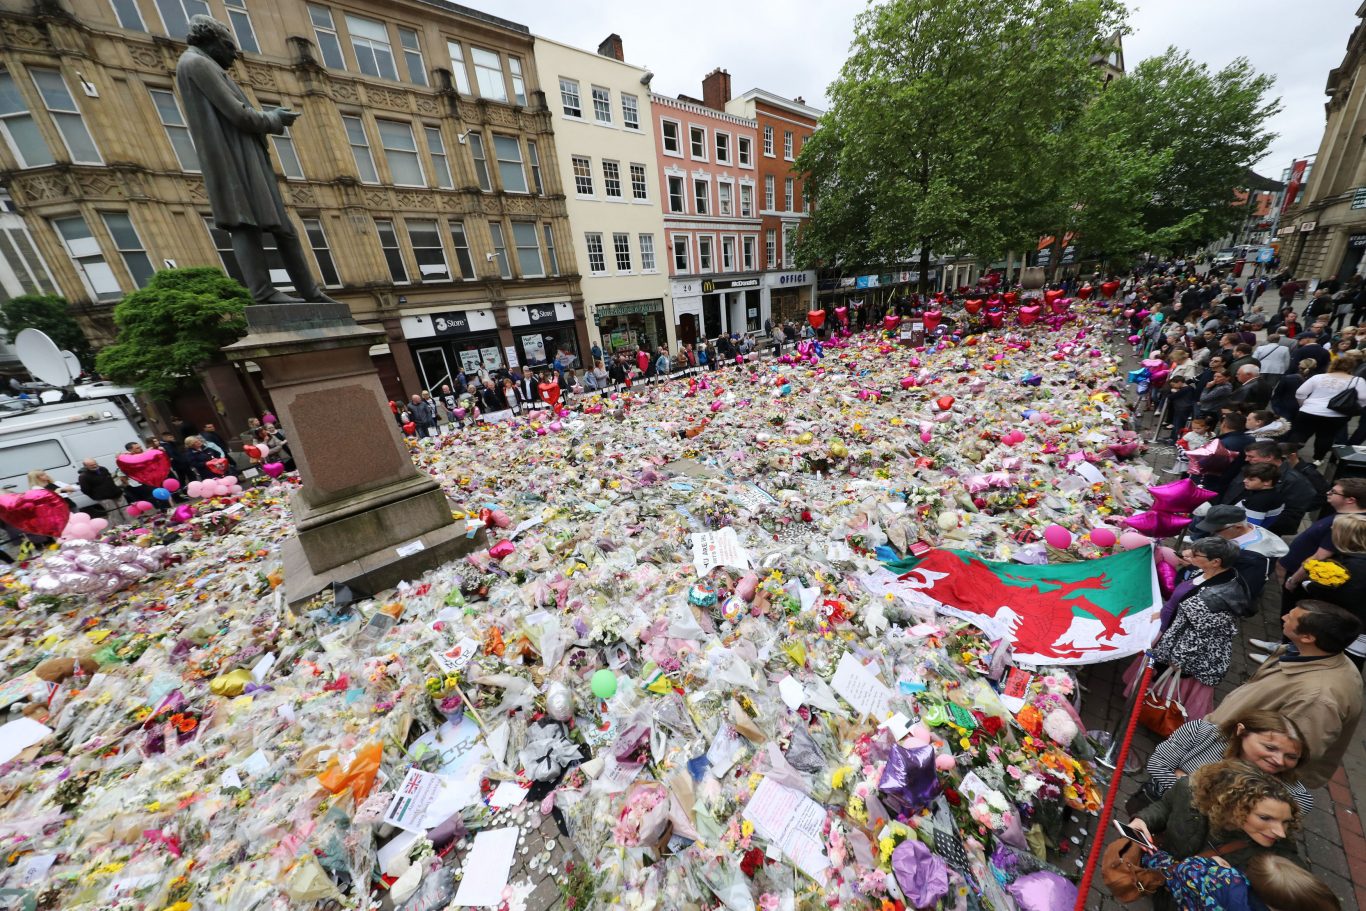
x=194 y=488
x=1058 y=537
x=1166 y=578
x=231 y=480
x=1211 y=458
x=1168 y=556
x=274 y=469
x=1132 y=540
x=183 y=513
x=171 y=484
x=1103 y=536
x=1157 y=524
x=944 y=761
x=1180 y=496
x=99 y=524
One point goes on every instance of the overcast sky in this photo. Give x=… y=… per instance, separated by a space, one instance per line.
x=796 y=47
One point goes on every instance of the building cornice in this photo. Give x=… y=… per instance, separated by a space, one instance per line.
x=796 y=107
x=703 y=110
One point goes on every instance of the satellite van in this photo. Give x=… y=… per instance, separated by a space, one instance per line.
x=55 y=425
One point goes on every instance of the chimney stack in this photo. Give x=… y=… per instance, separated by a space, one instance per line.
x=716 y=89
x=611 y=47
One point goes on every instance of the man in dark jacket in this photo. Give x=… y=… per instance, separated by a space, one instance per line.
x=1307 y=346
x=1299 y=495
x=96 y=482
x=1254 y=390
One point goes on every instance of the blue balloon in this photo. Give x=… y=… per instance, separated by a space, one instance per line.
x=161 y=493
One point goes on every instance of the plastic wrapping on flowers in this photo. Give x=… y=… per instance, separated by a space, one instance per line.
x=208 y=746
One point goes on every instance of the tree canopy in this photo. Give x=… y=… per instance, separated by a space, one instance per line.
x=932 y=132
x=982 y=127
x=50 y=314
x=172 y=327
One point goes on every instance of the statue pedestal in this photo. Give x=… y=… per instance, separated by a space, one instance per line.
x=365 y=515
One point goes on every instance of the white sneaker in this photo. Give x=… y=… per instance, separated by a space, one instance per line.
x=1257 y=657
x=1264 y=644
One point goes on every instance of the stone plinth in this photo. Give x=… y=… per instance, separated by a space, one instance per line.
x=364 y=514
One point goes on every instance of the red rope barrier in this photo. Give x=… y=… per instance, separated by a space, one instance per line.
x=1098 y=839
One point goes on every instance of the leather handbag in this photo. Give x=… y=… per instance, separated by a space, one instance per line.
x=1128 y=880
x=1162 y=711
x=1124 y=875
x=1346 y=402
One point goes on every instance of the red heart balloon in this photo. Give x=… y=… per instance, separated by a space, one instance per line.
x=37 y=511
x=994 y=318
x=255 y=452
x=816 y=318
x=410 y=428
x=1109 y=288
x=1011 y=298
x=1084 y=291
x=932 y=319
x=890 y=322
x=550 y=393
x=1029 y=314
x=1052 y=295
x=972 y=305
x=945 y=402
x=217 y=466
x=148 y=468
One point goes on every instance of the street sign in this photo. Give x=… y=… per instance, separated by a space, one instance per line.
x=1307 y=226
x=1265 y=255
x=1359 y=198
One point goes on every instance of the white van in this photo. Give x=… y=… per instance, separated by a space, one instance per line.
x=58 y=437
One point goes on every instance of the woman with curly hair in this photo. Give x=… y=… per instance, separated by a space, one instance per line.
x=1228 y=809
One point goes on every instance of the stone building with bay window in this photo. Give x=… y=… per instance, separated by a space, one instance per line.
x=422 y=175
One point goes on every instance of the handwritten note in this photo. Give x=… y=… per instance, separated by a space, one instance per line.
x=711 y=549
x=860 y=688
x=793 y=822
x=455 y=659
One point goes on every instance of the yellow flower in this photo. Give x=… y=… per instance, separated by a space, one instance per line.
x=885 y=848
x=746 y=829
x=112 y=867
x=965 y=743
x=837 y=777
x=1326 y=573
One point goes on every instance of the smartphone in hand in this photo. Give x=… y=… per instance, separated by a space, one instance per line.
x=1136 y=836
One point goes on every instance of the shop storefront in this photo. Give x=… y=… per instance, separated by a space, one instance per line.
x=541 y=331
x=627 y=325
x=448 y=342
x=787 y=296
x=687 y=298
x=731 y=305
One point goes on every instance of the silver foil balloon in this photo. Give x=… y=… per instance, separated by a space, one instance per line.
x=559 y=702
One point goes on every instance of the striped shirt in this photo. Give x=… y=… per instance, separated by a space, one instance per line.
x=1198 y=743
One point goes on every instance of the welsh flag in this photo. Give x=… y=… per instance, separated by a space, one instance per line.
x=1065 y=613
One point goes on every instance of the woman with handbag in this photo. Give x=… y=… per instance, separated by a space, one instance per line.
x=1267 y=740
x=1199 y=623
x=1327 y=402
x=1226 y=809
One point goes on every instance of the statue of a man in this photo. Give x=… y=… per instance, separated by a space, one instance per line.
x=230 y=136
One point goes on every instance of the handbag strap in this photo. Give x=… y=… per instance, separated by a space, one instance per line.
x=1227 y=848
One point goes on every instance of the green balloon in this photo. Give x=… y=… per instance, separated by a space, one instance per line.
x=604 y=684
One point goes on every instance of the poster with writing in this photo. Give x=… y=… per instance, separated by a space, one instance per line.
x=711 y=549
x=860 y=688
x=492 y=357
x=469 y=361
x=414 y=796
x=793 y=822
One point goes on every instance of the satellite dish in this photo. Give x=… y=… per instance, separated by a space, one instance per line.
x=42 y=358
x=73 y=363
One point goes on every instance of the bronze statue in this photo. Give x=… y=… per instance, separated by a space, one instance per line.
x=230 y=137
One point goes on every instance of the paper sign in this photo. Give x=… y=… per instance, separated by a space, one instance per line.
x=711 y=549
x=487 y=867
x=792 y=692
x=262 y=667
x=230 y=780
x=19 y=735
x=508 y=794
x=13 y=690
x=751 y=497
x=1089 y=472
x=860 y=688
x=792 y=821
x=412 y=547
x=973 y=786
x=458 y=745
x=408 y=808
x=257 y=763
x=33 y=869
x=455 y=659
x=724 y=750
x=898 y=724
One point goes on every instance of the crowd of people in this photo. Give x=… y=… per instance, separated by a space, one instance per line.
x=1255 y=401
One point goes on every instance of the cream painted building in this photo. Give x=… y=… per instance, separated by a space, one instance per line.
x=600 y=112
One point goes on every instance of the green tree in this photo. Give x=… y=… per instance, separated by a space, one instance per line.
x=934 y=122
x=1208 y=128
x=172 y=327
x=50 y=314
